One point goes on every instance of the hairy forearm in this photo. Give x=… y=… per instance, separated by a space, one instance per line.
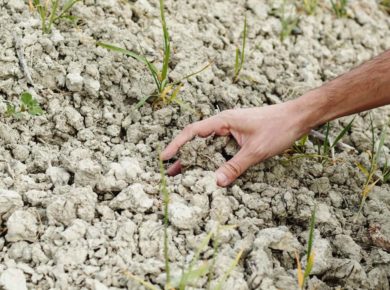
x=363 y=88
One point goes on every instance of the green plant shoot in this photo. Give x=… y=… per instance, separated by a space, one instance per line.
x=289 y=23
x=166 y=91
x=26 y=104
x=51 y=12
x=310 y=6
x=370 y=173
x=339 y=7
x=240 y=53
x=303 y=275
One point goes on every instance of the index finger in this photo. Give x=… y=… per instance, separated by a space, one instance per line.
x=202 y=128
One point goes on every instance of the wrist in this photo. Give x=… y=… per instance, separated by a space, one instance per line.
x=314 y=109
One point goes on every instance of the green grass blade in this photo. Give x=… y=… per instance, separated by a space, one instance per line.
x=214 y=258
x=381 y=143
x=147 y=285
x=53 y=14
x=194 y=73
x=326 y=141
x=195 y=259
x=193 y=275
x=237 y=63
x=245 y=34
x=229 y=271
x=153 y=70
x=167 y=46
x=342 y=133
x=141 y=102
x=68 y=5
x=165 y=194
x=311 y=239
x=130 y=53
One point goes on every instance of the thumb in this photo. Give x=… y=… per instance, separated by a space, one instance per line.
x=232 y=169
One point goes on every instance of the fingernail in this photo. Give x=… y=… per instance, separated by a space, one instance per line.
x=222 y=179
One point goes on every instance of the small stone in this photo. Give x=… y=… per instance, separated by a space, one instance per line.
x=22 y=225
x=87 y=172
x=58 y=176
x=75 y=231
x=132 y=197
x=347 y=247
x=13 y=279
x=91 y=86
x=183 y=216
x=9 y=201
x=74 y=82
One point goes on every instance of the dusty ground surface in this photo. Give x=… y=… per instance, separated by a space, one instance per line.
x=79 y=186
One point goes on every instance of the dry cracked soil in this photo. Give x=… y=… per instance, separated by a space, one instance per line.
x=80 y=199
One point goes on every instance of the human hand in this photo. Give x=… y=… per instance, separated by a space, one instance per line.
x=260 y=132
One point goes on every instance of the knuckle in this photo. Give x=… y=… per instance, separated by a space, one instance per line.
x=233 y=168
x=189 y=129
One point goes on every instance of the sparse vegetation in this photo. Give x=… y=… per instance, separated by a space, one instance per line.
x=288 y=22
x=193 y=272
x=339 y=7
x=310 y=6
x=166 y=91
x=240 y=53
x=303 y=275
x=325 y=148
x=26 y=104
x=372 y=171
x=385 y=4
x=51 y=11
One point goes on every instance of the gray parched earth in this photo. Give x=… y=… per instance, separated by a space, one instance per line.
x=80 y=200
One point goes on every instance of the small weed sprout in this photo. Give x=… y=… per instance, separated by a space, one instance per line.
x=339 y=7
x=325 y=149
x=371 y=173
x=303 y=275
x=289 y=23
x=310 y=6
x=51 y=11
x=385 y=4
x=166 y=91
x=191 y=273
x=26 y=104
x=240 y=53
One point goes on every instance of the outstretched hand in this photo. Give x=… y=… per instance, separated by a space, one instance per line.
x=260 y=132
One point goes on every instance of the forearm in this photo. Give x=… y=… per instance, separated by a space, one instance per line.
x=363 y=88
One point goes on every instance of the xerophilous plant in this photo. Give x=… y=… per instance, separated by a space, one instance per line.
x=52 y=11
x=166 y=90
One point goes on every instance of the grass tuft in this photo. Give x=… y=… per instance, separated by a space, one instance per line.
x=325 y=149
x=288 y=22
x=339 y=7
x=166 y=91
x=385 y=5
x=50 y=11
x=310 y=6
x=240 y=53
x=371 y=173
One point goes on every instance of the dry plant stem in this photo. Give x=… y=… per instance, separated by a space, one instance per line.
x=22 y=61
x=316 y=134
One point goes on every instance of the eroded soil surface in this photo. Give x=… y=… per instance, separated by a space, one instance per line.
x=80 y=195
